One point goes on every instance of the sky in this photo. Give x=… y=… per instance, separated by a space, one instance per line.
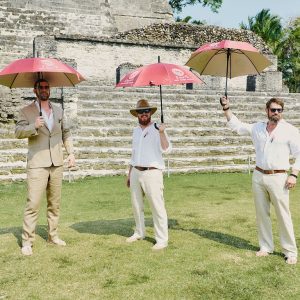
x=233 y=12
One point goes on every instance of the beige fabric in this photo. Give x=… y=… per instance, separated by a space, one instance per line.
x=40 y=180
x=269 y=189
x=44 y=167
x=39 y=153
x=149 y=183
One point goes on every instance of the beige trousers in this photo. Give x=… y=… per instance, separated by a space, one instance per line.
x=269 y=189
x=150 y=184
x=40 y=180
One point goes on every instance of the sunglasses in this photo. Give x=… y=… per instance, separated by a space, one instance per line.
x=279 y=110
x=143 y=111
x=41 y=87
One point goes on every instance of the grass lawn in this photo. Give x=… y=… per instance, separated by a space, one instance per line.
x=211 y=253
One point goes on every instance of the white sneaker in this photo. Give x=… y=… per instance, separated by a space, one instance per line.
x=57 y=242
x=159 y=246
x=26 y=250
x=135 y=237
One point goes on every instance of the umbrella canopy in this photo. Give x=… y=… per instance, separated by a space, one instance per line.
x=158 y=74
x=22 y=73
x=228 y=59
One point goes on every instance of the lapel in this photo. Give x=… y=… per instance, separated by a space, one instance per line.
x=56 y=118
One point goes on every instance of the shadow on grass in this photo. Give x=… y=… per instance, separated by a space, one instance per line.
x=123 y=227
x=228 y=239
x=41 y=230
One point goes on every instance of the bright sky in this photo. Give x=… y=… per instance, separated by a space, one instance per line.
x=233 y=12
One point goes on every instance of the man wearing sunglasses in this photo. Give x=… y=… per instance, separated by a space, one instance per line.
x=274 y=141
x=46 y=129
x=145 y=174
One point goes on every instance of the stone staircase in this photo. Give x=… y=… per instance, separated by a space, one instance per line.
x=196 y=125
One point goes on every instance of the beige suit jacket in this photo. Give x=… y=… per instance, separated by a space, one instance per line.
x=44 y=147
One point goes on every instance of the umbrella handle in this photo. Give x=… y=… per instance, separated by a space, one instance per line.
x=155 y=125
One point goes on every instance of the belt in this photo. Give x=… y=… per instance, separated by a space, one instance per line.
x=145 y=168
x=269 y=171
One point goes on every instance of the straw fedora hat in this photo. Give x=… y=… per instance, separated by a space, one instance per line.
x=142 y=104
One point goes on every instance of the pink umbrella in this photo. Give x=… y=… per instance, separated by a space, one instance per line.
x=22 y=73
x=157 y=75
x=228 y=58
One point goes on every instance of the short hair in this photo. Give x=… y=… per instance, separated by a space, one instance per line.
x=275 y=100
x=39 y=81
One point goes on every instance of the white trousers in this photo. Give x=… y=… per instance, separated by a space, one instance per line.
x=269 y=189
x=150 y=184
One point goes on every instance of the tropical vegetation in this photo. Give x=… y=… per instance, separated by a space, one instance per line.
x=283 y=41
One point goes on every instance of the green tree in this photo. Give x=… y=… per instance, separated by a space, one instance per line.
x=288 y=52
x=284 y=42
x=177 y=5
x=188 y=19
x=267 y=26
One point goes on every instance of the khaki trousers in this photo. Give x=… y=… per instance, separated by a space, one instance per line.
x=40 y=180
x=150 y=184
x=269 y=189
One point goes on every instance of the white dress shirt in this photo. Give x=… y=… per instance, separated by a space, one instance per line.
x=48 y=120
x=272 y=150
x=146 y=148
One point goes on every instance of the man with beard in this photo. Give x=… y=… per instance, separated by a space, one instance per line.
x=145 y=174
x=45 y=127
x=274 y=141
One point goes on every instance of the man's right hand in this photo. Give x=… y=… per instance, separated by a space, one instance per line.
x=39 y=122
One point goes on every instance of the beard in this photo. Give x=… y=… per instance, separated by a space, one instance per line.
x=43 y=96
x=144 y=121
x=275 y=118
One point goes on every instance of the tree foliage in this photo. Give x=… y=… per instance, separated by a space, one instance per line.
x=267 y=26
x=188 y=19
x=288 y=52
x=284 y=42
x=178 y=5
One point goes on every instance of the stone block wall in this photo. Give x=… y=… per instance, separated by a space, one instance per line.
x=139 y=13
x=111 y=55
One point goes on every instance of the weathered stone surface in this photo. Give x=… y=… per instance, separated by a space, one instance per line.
x=84 y=35
x=188 y=35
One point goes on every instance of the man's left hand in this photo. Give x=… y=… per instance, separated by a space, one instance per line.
x=70 y=160
x=290 y=182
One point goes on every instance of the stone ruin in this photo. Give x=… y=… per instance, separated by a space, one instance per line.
x=105 y=39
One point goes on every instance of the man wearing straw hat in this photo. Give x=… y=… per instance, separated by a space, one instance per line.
x=145 y=175
x=45 y=127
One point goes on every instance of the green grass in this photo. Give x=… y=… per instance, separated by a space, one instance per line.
x=211 y=253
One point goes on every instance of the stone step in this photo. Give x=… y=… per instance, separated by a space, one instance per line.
x=189 y=102
x=173 y=89
x=183 y=114
x=105 y=121
x=184 y=141
x=79 y=174
x=91 y=131
x=17 y=170
x=15 y=147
